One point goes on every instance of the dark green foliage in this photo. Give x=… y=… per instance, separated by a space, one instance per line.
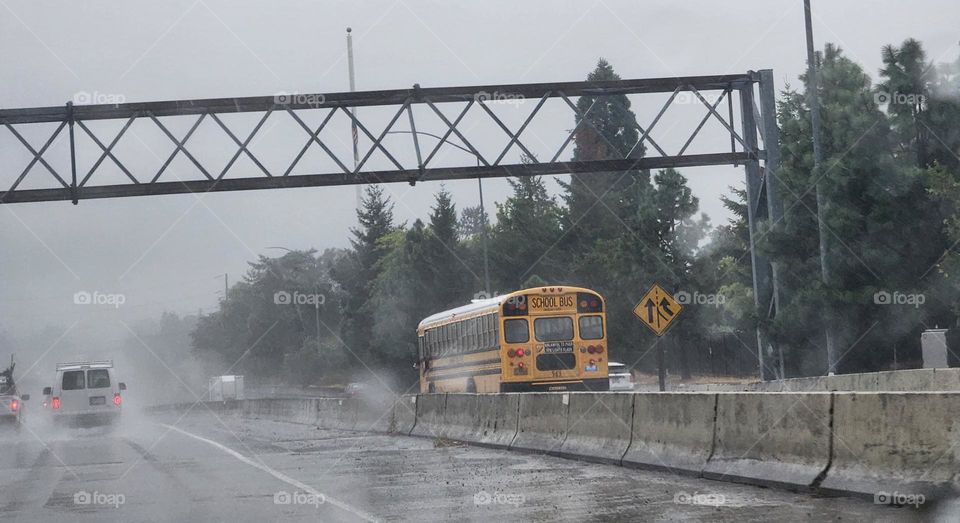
x=890 y=180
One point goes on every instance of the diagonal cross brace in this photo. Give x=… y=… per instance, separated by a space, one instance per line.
x=243 y=145
x=180 y=146
x=377 y=142
x=314 y=138
x=713 y=111
x=107 y=150
x=452 y=128
x=37 y=156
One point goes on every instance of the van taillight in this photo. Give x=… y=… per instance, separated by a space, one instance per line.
x=116 y=399
x=56 y=403
x=14 y=405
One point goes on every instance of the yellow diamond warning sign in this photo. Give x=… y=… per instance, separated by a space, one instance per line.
x=657 y=309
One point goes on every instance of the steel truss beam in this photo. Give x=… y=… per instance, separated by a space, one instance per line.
x=765 y=209
x=215 y=178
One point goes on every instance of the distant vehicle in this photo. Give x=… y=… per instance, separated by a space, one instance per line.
x=224 y=388
x=355 y=389
x=620 y=377
x=85 y=393
x=11 y=410
x=11 y=402
x=540 y=339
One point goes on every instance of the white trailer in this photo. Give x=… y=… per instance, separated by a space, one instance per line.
x=223 y=388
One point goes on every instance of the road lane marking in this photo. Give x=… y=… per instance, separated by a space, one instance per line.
x=279 y=475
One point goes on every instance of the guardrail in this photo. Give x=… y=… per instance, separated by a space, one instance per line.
x=864 y=444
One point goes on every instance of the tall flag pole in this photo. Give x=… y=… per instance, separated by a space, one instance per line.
x=353 y=110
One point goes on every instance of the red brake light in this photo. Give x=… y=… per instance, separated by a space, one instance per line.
x=591 y=349
x=116 y=399
x=14 y=405
x=56 y=403
x=519 y=352
x=599 y=349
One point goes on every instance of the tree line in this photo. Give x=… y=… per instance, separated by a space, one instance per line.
x=889 y=187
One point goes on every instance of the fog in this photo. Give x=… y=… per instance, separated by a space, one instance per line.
x=169 y=253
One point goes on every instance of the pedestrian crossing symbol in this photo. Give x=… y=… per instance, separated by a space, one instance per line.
x=657 y=309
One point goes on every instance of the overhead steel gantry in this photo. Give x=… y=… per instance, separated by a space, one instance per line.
x=79 y=182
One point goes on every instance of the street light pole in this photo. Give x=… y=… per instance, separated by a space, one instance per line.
x=813 y=85
x=483 y=212
x=483 y=238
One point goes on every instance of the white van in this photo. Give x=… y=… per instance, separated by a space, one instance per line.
x=85 y=392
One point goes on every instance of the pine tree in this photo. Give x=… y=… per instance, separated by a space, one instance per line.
x=882 y=235
x=595 y=201
x=525 y=240
x=356 y=275
x=905 y=89
x=444 y=255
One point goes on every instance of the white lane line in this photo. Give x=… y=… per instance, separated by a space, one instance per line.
x=279 y=475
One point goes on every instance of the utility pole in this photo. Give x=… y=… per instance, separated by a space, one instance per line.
x=353 y=110
x=226 y=285
x=483 y=240
x=316 y=308
x=813 y=85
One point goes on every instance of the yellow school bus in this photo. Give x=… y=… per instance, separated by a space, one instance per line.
x=540 y=339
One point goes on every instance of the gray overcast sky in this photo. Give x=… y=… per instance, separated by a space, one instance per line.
x=164 y=253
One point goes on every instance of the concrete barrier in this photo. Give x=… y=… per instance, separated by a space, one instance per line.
x=672 y=431
x=302 y=411
x=497 y=423
x=775 y=439
x=336 y=413
x=404 y=415
x=375 y=414
x=907 y=443
x=598 y=426
x=305 y=412
x=429 y=422
x=460 y=417
x=543 y=422
x=907 y=380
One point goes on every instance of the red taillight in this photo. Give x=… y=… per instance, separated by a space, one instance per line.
x=511 y=353
x=56 y=403
x=591 y=349
x=520 y=352
x=14 y=405
x=116 y=399
x=599 y=349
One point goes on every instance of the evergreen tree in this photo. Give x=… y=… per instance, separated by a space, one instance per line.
x=905 y=89
x=357 y=274
x=524 y=242
x=444 y=256
x=881 y=237
x=397 y=305
x=595 y=201
x=472 y=222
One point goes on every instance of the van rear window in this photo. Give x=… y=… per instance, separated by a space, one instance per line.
x=73 y=380
x=98 y=379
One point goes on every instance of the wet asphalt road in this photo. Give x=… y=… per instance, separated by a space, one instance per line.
x=219 y=467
